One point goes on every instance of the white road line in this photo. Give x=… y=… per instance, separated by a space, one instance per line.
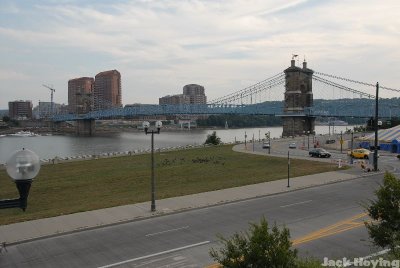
x=167 y=231
x=155 y=254
x=294 y=204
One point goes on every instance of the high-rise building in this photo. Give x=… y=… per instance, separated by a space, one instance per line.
x=80 y=92
x=20 y=109
x=195 y=94
x=174 y=99
x=192 y=94
x=107 y=90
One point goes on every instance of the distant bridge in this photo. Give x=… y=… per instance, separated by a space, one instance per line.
x=265 y=98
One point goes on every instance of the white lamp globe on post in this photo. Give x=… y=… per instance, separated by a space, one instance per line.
x=158 y=126
x=23 y=166
x=146 y=126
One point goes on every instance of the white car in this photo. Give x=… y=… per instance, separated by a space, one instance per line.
x=266 y=145
x=292 y=145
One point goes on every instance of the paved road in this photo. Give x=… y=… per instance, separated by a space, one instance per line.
x=183 y=239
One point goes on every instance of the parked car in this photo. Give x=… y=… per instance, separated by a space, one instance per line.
x=266 y=145
x=292 y=145
x=359 y=153
x=319 y=152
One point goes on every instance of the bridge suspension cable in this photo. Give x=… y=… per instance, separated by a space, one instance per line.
x=250 y=90
x=328 y=82
x=355 y=81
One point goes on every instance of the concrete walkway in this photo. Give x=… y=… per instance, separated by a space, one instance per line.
x=35 y=229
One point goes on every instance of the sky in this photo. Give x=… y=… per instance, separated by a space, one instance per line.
x=160 y=46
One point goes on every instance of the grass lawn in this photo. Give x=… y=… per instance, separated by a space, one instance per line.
x=93 y=184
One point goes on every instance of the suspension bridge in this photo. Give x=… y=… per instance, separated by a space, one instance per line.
x=350 y=98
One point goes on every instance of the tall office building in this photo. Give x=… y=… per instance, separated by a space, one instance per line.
x=195 y=94
x=80 y=92
x=20 y=109
x=192 y=94
x=107 y=90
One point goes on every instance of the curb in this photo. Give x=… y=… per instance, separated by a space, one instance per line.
x=160 y=214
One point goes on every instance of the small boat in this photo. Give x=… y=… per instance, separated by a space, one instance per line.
x=1 y=136
x=24 y=134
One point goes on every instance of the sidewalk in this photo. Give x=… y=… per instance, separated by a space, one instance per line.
x=31 y=230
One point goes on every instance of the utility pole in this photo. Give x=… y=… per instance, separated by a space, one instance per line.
x=341 y=141
x=288 y=170
x=51 y=97
x=376 y=129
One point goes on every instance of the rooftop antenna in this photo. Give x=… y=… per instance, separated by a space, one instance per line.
x=52 y=93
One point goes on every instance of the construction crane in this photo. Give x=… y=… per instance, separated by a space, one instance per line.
x=52 y=103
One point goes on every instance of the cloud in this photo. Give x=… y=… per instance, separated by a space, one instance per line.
x=7 y=75
x=160 y=46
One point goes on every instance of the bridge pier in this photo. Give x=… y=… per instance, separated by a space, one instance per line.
x=298 y=125
x=298 y=101
x=85 y=127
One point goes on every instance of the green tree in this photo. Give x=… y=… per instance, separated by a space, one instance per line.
x=6 y=118
x=262 y=246
x=385 y=213
x=213 y=139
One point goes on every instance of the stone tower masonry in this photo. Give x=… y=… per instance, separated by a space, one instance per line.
x=298 y=98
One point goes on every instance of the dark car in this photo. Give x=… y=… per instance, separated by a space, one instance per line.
x=319 y=152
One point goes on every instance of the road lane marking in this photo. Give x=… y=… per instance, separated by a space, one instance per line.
x=339 y=227
x=298 y=203
x=167 y=231
x=155 y=254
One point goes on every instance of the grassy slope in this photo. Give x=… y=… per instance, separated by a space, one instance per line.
x=87 y=185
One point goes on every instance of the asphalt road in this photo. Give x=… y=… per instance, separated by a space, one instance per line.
x=184 y=239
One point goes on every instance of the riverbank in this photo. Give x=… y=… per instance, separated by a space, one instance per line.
x=78 y=186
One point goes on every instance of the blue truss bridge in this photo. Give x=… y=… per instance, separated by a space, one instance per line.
x=346 y=97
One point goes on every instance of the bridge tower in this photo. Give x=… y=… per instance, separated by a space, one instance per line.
x=298 y=99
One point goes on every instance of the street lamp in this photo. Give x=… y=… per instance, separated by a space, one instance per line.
x=306 y=132
x=22 y=167
x=158 y=126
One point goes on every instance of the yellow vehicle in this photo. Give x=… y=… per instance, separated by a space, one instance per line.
x=359 y=153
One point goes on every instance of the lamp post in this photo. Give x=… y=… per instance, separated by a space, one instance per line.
x=351 y=150
x=158 y=126
x=22 y=167
x=376 y=129
x=288 y=170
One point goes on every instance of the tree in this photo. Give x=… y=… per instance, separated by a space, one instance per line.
x=6 y=118
x=213 y=139
x=261 y=247
x=385 y=213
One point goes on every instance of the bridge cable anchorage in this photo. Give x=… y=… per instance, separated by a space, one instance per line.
x=330 y=83
x=248 y=91
x=355 y=81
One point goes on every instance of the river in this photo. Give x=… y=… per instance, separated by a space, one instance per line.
x=66 y=146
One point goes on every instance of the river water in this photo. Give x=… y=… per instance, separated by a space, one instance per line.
x=66 y=146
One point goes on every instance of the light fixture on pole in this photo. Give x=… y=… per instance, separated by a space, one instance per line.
x=22 y=167
x=146 y=126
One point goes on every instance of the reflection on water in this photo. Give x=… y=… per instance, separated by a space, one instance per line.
x=65 y=146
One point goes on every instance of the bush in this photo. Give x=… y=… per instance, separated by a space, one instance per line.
x=261 y=247
x=213 y=139
x=385 y=213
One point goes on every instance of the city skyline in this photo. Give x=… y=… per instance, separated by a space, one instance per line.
x=159 y=46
